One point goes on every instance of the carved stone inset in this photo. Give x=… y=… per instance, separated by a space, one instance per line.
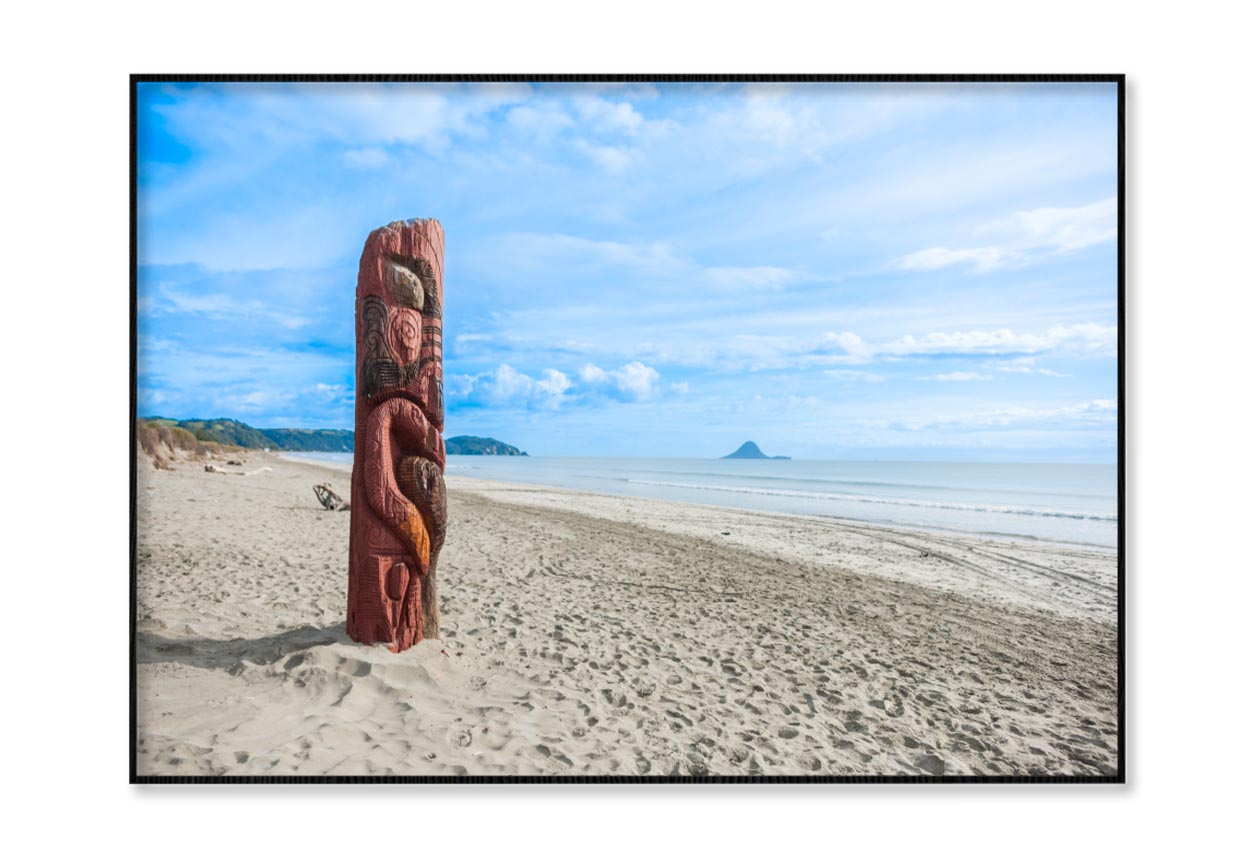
x=399 y=515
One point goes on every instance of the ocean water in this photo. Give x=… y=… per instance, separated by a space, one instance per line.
x=1063 y=503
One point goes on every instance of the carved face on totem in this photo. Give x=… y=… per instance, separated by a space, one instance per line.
x=401 y=326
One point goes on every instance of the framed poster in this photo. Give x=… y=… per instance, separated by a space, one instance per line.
x=618 y=429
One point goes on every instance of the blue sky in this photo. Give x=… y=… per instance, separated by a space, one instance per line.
x=841 y=271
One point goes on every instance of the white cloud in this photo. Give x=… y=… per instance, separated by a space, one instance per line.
x=305 y=236
x=560 y=251
x=850 y=342
x=1025 y=237
x=654 y=263
x=1095 y=412
x=1059 y=229
x=506 y=386
x=329 y=391
x=202 y=303
x=848 y=348
x=719 y=348
x=256 y=398
x=961 y=376
x=982 y=260
x=607 y=116
x=635 y=380
x=592 y=374
x=853 y=376
x=366 y=158
x=221 y=306
x=586 y=112
x=749 y=352
x=1082 y=339
x=768 y=114
x=554 y=384
x=612 y=159
x=542 y=120
x=1026 y=364
x=291 y=321
x=767 y=278
x=241 y=115
x=327 y=396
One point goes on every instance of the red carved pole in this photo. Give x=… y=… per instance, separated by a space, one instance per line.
x=398 y=503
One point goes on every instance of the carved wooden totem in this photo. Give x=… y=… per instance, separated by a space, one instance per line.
x=398 y=504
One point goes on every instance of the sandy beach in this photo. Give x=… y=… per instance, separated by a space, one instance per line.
x=605 y=635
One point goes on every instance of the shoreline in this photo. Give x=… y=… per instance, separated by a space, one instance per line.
x=1084 y=583
x=886 y=526
x=602 y=635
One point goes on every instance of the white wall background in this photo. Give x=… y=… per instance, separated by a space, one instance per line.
x=65 y=577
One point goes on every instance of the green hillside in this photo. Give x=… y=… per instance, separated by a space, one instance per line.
x=228 y=431
x=324 y=440
x=472 y=445
x=233 y=432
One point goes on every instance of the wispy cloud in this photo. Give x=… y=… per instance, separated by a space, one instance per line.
x=264 y=385
x=829 y=349
x=604 y=116
x=854 y=375
x=1026 y=364
x=241 y=115
x=219 y=305
x=769 y=278
x=650 y=264
x=1081 y=338
x=961 y=376
x=938 y=257
x=541 y=121
x=1025 y=237
x=1094 y=412
x=366 y=158
x=611 y=158
x=1058 y=229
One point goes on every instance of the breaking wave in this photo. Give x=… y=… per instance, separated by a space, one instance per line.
x=870 y=499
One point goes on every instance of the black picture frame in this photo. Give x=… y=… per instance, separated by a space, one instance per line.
x=1120 y=777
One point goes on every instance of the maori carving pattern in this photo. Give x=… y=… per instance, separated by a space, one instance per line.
x=399 y=513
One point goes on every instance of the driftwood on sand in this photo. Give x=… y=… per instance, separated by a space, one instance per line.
x=213 y=469
x=329 y=499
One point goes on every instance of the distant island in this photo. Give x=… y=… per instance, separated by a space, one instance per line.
x=235 y=433
x=750 y=450
x=472 y=445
